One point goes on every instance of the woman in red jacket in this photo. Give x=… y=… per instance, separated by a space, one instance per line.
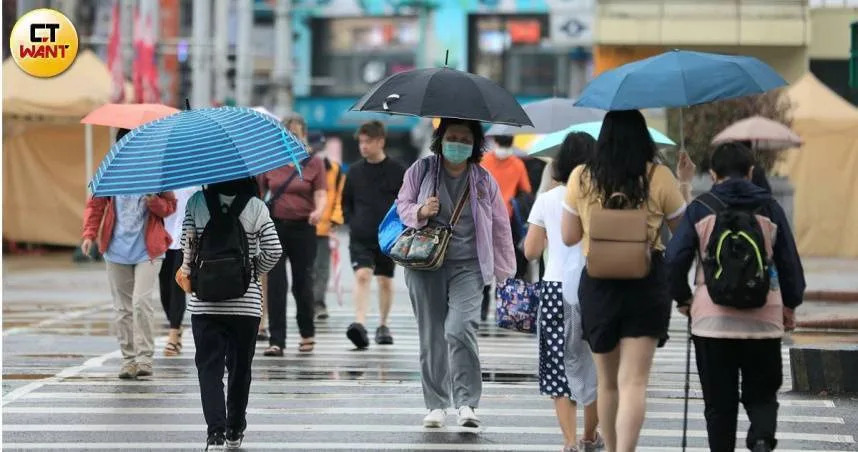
x=133 y=241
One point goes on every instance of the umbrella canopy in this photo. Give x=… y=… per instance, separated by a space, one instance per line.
x=127 y=116
x=763 y=133
x=548 y=145
x=196 y=147
x=444 y=93
x=550 y=115
x=678 y=79
x=266 y=111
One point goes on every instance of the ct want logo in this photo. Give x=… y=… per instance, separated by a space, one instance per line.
x=43 y=43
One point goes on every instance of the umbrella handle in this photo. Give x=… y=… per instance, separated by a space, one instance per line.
x=187 y=104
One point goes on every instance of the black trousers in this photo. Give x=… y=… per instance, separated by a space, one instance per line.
x=229 y=340
x=172 y=296
x=298 y=239
x=520 y=261
x=719 y=363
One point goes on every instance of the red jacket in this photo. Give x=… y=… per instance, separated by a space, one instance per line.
x=100 y=212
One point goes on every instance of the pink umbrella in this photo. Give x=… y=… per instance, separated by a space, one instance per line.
x=763 y=133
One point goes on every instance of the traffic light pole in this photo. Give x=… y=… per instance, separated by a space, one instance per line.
x=201 y=71
x=244 y=60
x=281 y=76
x=220 y=38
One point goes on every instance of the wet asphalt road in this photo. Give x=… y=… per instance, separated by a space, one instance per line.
x=60 y=389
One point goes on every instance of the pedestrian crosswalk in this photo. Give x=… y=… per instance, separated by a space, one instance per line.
x=338 y=398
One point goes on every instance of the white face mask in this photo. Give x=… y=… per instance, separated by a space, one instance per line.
x=503 y=153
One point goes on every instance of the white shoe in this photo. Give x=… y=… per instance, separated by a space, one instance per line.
x=467 y=417
x=435 y=419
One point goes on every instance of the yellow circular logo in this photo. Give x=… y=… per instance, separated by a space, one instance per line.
x=43 y=43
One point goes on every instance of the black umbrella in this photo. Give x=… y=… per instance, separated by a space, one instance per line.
x=444 y=93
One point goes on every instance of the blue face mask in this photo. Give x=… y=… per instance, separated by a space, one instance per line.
x=456 y=153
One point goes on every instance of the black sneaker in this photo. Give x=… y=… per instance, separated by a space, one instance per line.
x=233 y=439
x=382 y=336
x=216 y=441
x=761 y=446
x=357 y=334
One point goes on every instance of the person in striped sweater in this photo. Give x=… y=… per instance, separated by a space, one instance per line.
x=225 y=331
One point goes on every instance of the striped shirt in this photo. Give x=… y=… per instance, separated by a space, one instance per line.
x=263 y=244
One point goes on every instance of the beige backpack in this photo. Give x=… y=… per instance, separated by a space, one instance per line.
x=619 y=246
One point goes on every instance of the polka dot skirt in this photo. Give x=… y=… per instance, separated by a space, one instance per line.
x=552 y=342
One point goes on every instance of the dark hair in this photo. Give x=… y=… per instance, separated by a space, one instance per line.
x=576 y=150
x=503 y=140
x=373 y=129
x=245 y=185
x=619 y=164
x=476 y=130
x=121 y=133
x=731 y=160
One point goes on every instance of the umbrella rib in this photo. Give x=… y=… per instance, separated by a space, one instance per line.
x=230 y=138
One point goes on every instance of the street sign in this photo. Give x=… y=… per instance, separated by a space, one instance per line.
x=572 y=27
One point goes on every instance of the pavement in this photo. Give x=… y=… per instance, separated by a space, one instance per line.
x=60 y=390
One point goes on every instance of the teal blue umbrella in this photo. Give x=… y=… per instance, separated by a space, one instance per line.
x=548 y=145
x=196 y=147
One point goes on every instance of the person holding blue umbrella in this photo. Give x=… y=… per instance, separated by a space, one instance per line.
x=624 y=320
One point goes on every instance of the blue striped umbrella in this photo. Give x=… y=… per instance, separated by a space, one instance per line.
x=196 y=147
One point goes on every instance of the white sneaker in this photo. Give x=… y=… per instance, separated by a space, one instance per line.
x=435 y=419
x=467 y=417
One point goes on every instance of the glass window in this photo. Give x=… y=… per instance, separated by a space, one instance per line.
x=512 y=50
x=350 y=55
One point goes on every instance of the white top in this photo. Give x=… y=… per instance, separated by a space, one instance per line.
x=563 y=263
x=173 y=223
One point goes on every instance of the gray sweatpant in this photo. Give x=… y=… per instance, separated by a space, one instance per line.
x=321 y=270
x=446 y=303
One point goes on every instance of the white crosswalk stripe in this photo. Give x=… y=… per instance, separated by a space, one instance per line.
x=340 y=399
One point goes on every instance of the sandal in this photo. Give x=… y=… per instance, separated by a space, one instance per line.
x=262 y=335
x=273 y=350
x=173 y=349
x=307 y=347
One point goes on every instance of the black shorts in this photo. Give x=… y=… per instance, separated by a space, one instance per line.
x=614 y=309
x=367 y=254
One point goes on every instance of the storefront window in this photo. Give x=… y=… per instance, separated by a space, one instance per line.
x=350 y=55
x=512 y=50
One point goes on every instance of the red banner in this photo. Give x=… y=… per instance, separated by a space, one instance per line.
x=145 y=67
x=114 y=57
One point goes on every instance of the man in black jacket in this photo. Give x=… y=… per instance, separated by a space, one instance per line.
x=371 y=187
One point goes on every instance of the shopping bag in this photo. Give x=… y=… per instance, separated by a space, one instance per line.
x=517 y=305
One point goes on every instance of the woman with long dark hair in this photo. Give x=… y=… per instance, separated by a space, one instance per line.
x=447 y=301
x=624 y=320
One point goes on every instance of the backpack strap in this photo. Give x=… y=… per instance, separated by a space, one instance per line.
x=213 y=203
x=711 y=202
x=238 y=204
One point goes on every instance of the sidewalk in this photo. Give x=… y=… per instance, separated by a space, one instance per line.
x=831 y=298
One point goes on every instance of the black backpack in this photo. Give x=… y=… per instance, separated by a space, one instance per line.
x=222 y=267
x=735 y=263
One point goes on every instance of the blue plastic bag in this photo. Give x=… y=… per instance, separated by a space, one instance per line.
x=389 y=230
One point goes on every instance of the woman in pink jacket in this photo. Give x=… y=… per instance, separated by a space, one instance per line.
x=447 y=301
